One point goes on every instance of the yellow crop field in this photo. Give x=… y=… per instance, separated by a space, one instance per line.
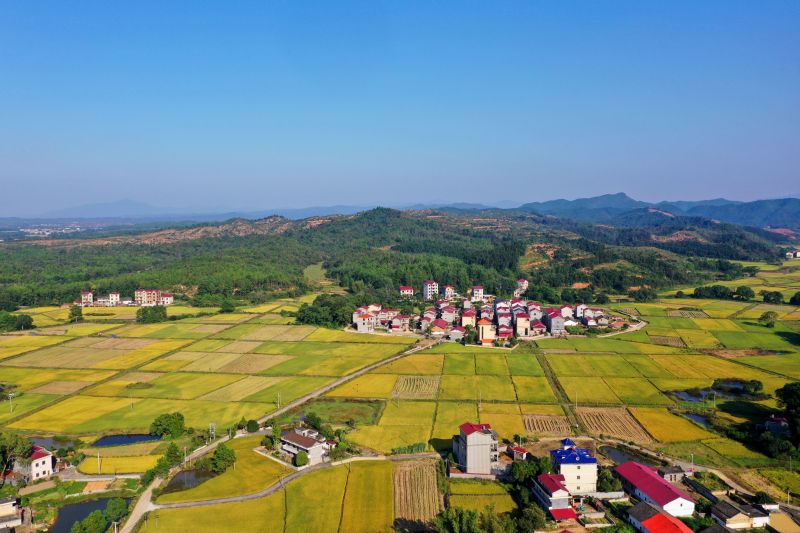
x=502 y=503
x=239 y=390
x=369 y=498
x=716 y=324
x=30 y=378
x=127 y=450
x=304 y=495
x=335 y=335
x=666 y=427
x=118 y=465
x=408 y=413
x=384 y=438
x=11 y=345
x=588 y=390
x=22 y=404
x=540 y=409
x=367 y=386
x=416 y=364
x=253 y=472
x=262 y=514
x=533 y=389
x=141 y=355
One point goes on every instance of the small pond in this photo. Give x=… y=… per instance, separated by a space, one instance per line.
x=119 y=440
x=187 y=479
x=700 y=419
x=69 y=514
x=623 y=455
x=53 y=443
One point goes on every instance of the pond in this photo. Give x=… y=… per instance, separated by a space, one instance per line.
x=187 y=479
x=53 y=443
x=700 y=419
x=623 y=455
x=119 y=440
x=75 y=512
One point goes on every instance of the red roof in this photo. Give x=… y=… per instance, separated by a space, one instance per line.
x=663 y=523
x=469 y=312
x=552 y=482
x=538 y=324
x=406 y=288
x=484 y=322
x=429 y=283
x=468 y=428
x=459 y=328
x=649 y=482
x=519 y=449
x=37 y=452
x=449 y=309
x=477 y=287
x=563 y=514
x=365 y=315
x=439 y=323
x=523 y=315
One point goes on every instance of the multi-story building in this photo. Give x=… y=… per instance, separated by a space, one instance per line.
x=578 y=467
x=39 y=465
x=551 y=492
x=10 y=513
x=449 y=292
x=430 y=290
x=147 y=297
x=477 y=292
x=365 y=323
x=113 y=299
x=87 y=298
x=554 y=321
x=406 y=291
x=475 y=448
x=486 y=331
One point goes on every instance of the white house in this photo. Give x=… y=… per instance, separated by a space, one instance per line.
x=365 y=323
x=578 y=467
x=551 y=492
x=406 y=291
x=430 y=290
x=739 y=516
x=39 y=465
x=477 y=292
x=449 y=292
x=10 y=513
x=475 y=448
x=567 y=311
x=305 y=440
x=87 y=298
x=648 y=519
x=644 y=483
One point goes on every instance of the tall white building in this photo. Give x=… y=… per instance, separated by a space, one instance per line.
x=430 y=290
x=578 y=467
x=477 y=292
x=475 y=448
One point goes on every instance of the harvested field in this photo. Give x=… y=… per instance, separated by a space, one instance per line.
x=547 y=425
x=417 y=387
x=241 y=389
x=117 y=344
x=666 y=340
x=240 y=346
x=614 y=422
x=252 y=363
x=416 y=494
x=61 y=387
x=685 y=313
x=629 y=311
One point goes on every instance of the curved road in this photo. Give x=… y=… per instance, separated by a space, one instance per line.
x=144 y=503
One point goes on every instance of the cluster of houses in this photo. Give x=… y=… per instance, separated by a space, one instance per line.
x=659 y=501
x=450 y=315
x=793 y=255
x=141 y=297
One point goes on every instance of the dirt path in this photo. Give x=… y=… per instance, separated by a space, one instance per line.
x=144 y=503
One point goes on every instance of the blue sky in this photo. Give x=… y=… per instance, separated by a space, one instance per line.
x=248 y=105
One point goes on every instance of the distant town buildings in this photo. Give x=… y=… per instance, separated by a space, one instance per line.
x=141 y=297
x=793 y=255
x=476 y=448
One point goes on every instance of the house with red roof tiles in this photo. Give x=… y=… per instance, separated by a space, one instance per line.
x=38 y=465
x=406 y=291
x=468 y=318
x=486 y=331
x=644 y=483
x=648 y=519
x=552 y=494
x=475 y=449
x=366 y=322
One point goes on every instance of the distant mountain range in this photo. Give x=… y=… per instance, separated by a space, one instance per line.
x=604 y=209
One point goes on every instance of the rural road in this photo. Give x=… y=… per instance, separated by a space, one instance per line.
x=144 y=503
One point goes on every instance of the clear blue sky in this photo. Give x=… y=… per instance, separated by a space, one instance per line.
x=245 y=105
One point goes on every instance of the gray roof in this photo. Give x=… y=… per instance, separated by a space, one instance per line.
x=8 y=499
x=716 y=528
x=670 y=469
x=725 y=510
x=642 y=511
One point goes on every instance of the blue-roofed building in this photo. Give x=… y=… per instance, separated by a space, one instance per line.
x=577 y=465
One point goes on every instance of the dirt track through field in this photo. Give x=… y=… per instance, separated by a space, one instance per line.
x=613 y=421
x=416 y=494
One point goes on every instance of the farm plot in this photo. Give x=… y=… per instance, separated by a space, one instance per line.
x=589 y=345
x=492 y=365
x=335 y=335
x=647 y=367
x=416 y=492
x=76 y=330
x=716 y=324
x=385 y=438
x=686 y=313
x=408 y=414
x=459 y=364
x=666 y=427
x=416 y=364
x=636 y=391
x=580 y=365
x=118 y=465
x=22 y=404
x=768 y=341
x=288 y=389
x=27 y=379
x=315 y=365
x=449 y=415
x=367 y=386
x=304 y=494
x=699 y=339
x=208 y=345
x=738 y=452
x=11 y=345
x=210 y=362
x=505 y=418
x=239 y=347
x=241 y=389
x=588 y=390
x=252 y=515
x=548 y=425
x=616 y=422
x=182 y=386
x=524 y=365
x=338 y=349
x=533 y=389
x=279 y=333
x=416 y=387
x=666 y=340
x=786 y=364
x=61 y=387
x=368 y=503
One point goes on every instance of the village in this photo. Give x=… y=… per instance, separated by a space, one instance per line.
x=493 y=320
x=141 y=298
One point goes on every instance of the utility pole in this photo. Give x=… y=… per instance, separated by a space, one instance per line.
x=184 y=455
x=98 y=462
x=115 y=526
x=10 y=401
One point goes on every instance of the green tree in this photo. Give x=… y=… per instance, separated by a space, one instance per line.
x=795 y=299
x=301 y=459
x=772 y=297
x=23 y=322
x=94 y=523
x=532 y=518
x=173 y=454
x=768 y=319
x=222 y=458
x=457 y=520
x=116 y=509
x=252 y=426
x=75 y=314
x=151 y=314
x=168 y=425
x=227 y=306
x=745 y=293
x=13 y=447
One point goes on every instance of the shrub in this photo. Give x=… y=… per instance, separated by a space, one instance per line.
x=252 y=426
x=301 y=459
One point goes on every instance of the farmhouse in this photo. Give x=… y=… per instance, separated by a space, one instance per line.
x=439 y=327
x=365 y=323
x=577 y=466
x=457 y=333
x=87 y=299
x=672 y=473
x=644 y=483
x=449 y=292
x=39 y=465
x=554 y=321
x=553 y=495
x=10 y=513
x=738 y=516
x=648 y=519
x=468 y=318
x=430 y=290
x=475 y=448
x=305 y=440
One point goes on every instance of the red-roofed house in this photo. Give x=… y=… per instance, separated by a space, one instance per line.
x=449 y=292
x=644 y=483
x=537 y=328
x=486 y=331
x=477 y=292
x=551 y=492
x=475 y=448
x=457 y=333
x=439 y=327
x=468 y=318
x=406 y=290
x=39 y=465
x=664 y=523
x=505 y=332
x=365 y=323
x=430 y=290
x=449 y=313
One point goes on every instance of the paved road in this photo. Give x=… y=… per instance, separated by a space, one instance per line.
x=144 y=504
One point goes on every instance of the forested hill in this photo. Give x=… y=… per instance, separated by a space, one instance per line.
x=377 y=250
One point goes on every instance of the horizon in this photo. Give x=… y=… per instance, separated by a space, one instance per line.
x=206 y=110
